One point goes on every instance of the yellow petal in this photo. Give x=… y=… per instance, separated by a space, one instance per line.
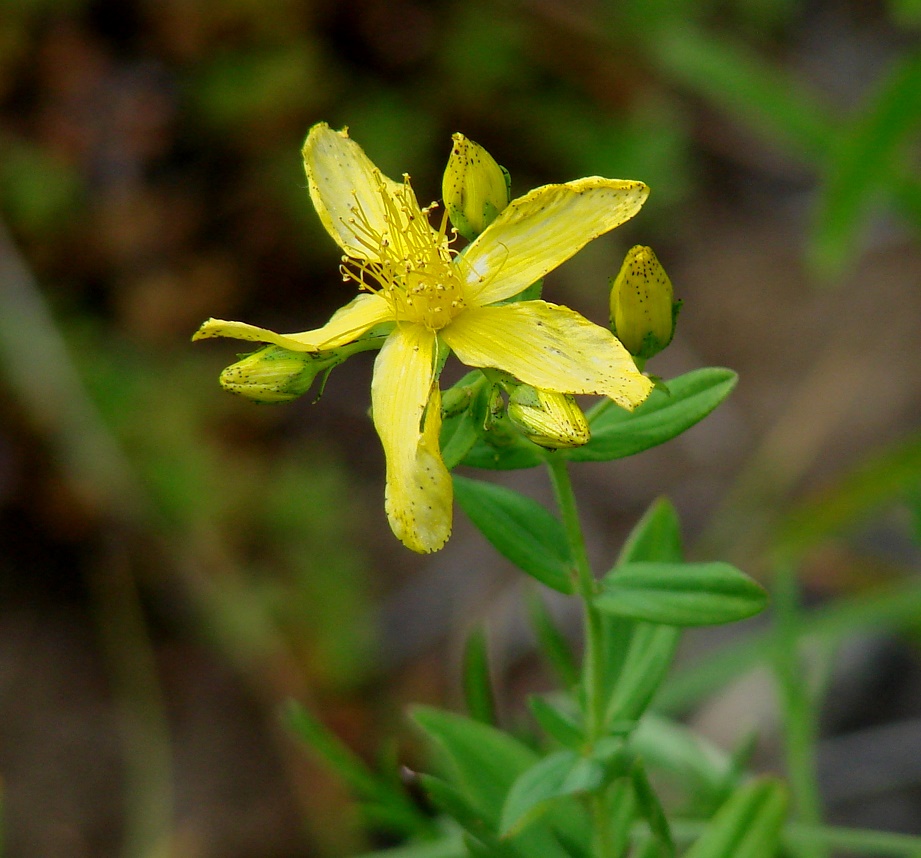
x=346 y=325
x=548 y=418
x=549 y=347
x=541 y=230
x=406 y=406
x=347 y=190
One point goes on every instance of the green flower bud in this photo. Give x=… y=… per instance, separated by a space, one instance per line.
x=547 y=418
x=643 y=309
x=274 y=374
x=474 y=188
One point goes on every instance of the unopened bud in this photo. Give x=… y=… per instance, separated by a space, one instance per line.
x=474 y=188
x=643 y=307
x=274 y=374
x=547 y=418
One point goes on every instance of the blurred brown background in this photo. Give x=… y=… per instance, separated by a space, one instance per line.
x=176 y=563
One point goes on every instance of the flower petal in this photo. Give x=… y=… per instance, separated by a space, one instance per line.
x=346 y=189
x=549 y=347
x=346 y=325
x=406 y=405
x=541 y=230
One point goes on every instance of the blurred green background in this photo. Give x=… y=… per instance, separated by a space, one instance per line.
x=176 y=563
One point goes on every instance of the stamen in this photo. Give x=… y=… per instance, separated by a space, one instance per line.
x=408 y=261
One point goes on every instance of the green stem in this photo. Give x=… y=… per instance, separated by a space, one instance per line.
x=603 y=845
x=592 y=663
x=584 y=581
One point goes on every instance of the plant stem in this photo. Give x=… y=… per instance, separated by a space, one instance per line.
x=584 y=581
x=592 y=659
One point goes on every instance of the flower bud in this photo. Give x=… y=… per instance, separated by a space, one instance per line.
x=274 y=374
x=547 y=418
x=643 y=309
x=474 y=188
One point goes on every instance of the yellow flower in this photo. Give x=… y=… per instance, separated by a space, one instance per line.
x=434 y=299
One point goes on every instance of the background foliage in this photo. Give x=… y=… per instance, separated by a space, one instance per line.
x=174 y=563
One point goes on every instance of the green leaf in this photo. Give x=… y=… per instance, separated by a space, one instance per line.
x=622 y=801
x=387 y=802
x=340 y=758
x=748 y=825
x=563 y=773
x=699 y=768
x=862 y=162
x=617 y=433
x=680 y=594
x=551 y=641
x=735 y=79
x=656 y=536
x=649 y=655
x=458 y=435
x=647 y=848
x=486 y=760
x=520 y=529
x=504 y=448
x=477 y=685
x=465 y=438
x=453 y=804
x=906 y=13
x=651 y=810
x=558 y=721
x=638 y=655
x=891 y=608
x=879 y=479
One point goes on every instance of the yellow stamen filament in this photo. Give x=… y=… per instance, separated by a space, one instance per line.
x=410 y=263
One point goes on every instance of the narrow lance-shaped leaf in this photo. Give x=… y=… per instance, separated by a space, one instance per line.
x=486 y=760
x=656 y=536
x=680 y=594
x=458 y=435
x=748 y=825
x=651 y=809
x=649 y=654
x=477 y=685
x=691 y=397
x=557 y=722
x=698 y=767
x=889 y=608
x=388 y=803
x=340 y=758
x=550 y=639
x=731 y=76
x=520 y=529
x=637 y=655
x=863 y=161
x=452 y=803
x=560 y=774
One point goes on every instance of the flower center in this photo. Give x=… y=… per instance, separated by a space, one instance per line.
x=409 y=263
